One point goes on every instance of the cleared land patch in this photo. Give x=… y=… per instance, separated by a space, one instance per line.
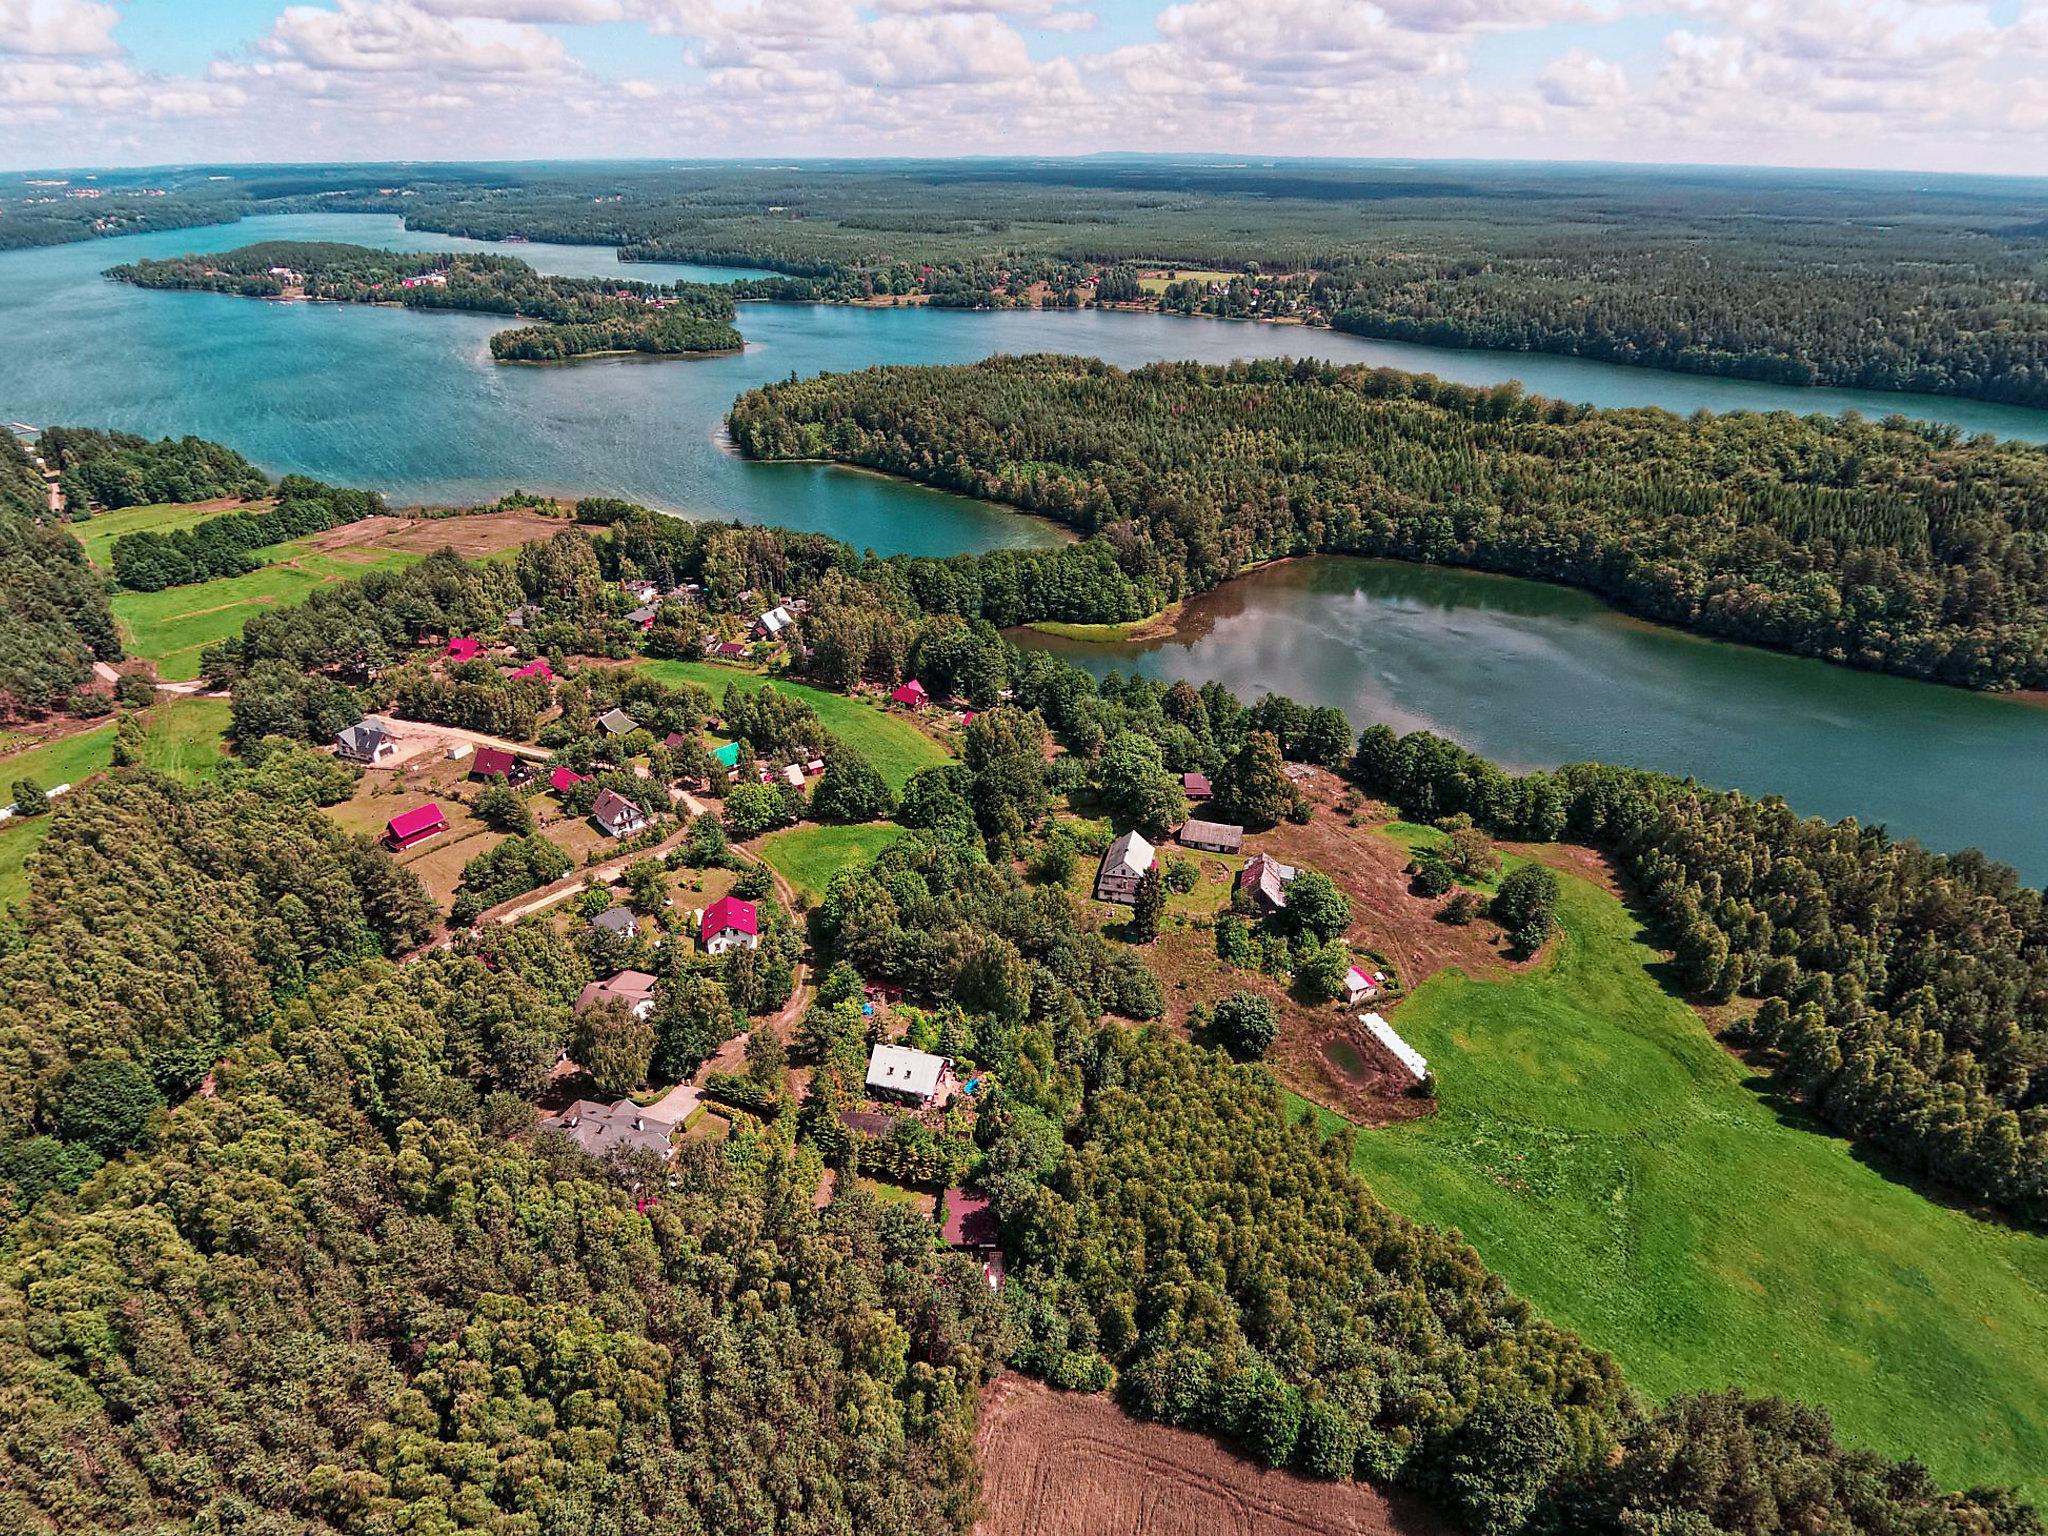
x=98 y=532
x=1068 y=1464
x=809 y=856
x=896 y=747
x=1624 y=1173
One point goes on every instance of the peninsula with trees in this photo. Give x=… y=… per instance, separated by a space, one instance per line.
x=573 y=317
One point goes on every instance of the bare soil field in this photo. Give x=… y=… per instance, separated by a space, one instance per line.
x=486 y=533
x=1065 y=1464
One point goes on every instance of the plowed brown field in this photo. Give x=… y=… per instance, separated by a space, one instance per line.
x=1065 y=1464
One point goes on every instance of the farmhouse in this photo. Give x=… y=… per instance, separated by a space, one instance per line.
x=729 y=923
x=772 y=623
x=496 y=763
x=910 y=695
x=619 y=816
x=1214 y=836
x=367 y=741
x=1401 y=1050
x=1266 y=878
x=414 y=826
x=1196 y=786
x=1123 y=865
x=633 y=988
x=616 y=722
x=899 y=1072
x=601 y=1128
x=619 y=920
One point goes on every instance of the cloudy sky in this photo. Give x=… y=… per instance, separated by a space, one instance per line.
x=1911 y=84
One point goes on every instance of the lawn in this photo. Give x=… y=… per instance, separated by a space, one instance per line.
x=809 y=856
x=896 y=747
x=97 y=533
x=66 y=760
x=173 y=626
x=1618 y=1167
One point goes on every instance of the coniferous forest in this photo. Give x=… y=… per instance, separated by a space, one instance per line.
x=1891 y=545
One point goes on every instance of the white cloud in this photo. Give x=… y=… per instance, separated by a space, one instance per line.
x=394 y=37
x=564 y=12
x=1580 y=79
x=1068 y=21
x=57 y=28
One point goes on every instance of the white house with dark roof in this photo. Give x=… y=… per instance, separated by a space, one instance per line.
x=369 y=740
x=617 y=815
x=619 y=920
x=1124 y=864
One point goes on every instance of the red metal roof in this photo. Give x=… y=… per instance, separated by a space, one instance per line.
x=969 y=1223
x=564 y=778
x=728 y=912
x=492 y=760
x=412 y=823
x=538 y=667
x=463 y=647
x=911 y=692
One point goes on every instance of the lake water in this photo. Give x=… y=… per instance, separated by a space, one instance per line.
x=1533 y=676
x=410 y=403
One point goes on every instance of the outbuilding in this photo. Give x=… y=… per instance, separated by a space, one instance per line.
x=910 y=695
x=1212 y=836
x=616 y=722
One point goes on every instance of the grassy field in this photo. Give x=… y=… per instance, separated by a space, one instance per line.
x=1160 y=282
x=97 y=533
x=1619 y=1168
x=809 y=856
x=173 y=626
x=183 y=738
x=897 y=748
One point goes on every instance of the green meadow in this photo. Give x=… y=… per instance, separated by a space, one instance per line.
x=1631 y=1178
x=809 y=856
x=897 y=748
x=97 y=533
x=172 y=627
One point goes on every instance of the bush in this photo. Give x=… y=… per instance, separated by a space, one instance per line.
x=1429 y=875
x=1460 y=910
x=1245 y=1024
x=1526 y=905
x=29 y=799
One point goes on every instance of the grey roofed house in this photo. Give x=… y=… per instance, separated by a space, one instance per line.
x=1216 y=836
x=619 y=920
x=1266 y=878
x=602 y=1128
x=1124 y=864
x=365 y=742
x=642 y=616
x=616 y=722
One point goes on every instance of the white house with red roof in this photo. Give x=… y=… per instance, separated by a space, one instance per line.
x=729 y=923
x=415 y=826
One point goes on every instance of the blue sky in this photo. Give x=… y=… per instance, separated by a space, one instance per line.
x=1940 y=85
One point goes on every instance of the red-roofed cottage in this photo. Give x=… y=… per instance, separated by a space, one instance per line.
x=496 y=763
x=729 y=923
x=538 y=667
x=564 y=779
x=415 y=826
x=464 y=648
x=910 y=694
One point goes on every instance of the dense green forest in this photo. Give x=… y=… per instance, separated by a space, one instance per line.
x=107 y=470
x=54 y=618
x=579 y=316
x=1894 y=546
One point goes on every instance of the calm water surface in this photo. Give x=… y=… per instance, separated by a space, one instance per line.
x=411 y=404
x=1533 y=676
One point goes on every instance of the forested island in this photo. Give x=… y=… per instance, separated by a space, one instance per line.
x=1885 y=545
x=578 y=317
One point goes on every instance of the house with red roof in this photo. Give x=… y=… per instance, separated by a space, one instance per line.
x=496 y=763
x=733 y=650
x=729 y=923
x=564 y=779
x=463 y=648
x=538 y=667
x=414 y=826
x=911 y=695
